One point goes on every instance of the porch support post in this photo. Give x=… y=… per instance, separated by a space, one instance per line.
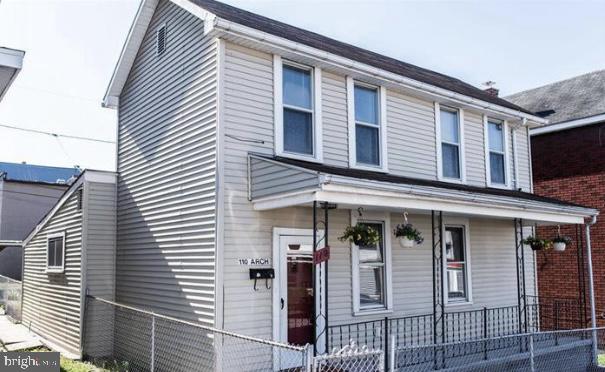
x=593 y=315
x=521 y=287
x=314 y=273
x=326 y=208
x=438 y=293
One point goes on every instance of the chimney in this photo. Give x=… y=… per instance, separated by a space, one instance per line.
x=492 y=91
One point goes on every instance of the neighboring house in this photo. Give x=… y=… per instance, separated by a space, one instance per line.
x=71 y=251
x=236 y=130
x=27 y=193
x=568 y=158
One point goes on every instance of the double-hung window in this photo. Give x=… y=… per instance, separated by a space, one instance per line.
x=298 y=110
x=367 y=125
x=450 y=146
x=55 y=253
x=297 y=115
x=371 y=270
x=456 y=264
x=496 y=152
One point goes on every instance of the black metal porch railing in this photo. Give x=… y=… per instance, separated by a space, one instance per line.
x=461 y=326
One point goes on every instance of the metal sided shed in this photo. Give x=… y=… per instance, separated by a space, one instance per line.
x=70 y=253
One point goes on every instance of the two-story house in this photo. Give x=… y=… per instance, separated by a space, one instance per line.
x=246 y=146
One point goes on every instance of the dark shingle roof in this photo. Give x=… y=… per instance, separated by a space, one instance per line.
x=382 y=177
x=576 y=98
x=327 y=44
x=36 y=173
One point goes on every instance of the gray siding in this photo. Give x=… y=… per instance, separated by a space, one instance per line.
x=166 y=160
x=268 y=178
x=100 y=242
x=52 y=302
x=334 y=115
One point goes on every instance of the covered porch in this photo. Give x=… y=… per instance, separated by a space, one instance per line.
x=415 y=297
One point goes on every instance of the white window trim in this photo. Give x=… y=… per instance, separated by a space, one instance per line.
x=382 y=122
x=384 y=218
x=278 y=112
x=488 y=176
x=458 y=222
x=461 y=147
x=56 y=269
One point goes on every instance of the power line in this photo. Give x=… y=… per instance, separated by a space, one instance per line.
x=33 y=194
x=56 y=135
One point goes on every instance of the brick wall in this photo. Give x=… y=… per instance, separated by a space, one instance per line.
x=570 y=165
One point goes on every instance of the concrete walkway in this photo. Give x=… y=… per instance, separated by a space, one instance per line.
x=16 y=336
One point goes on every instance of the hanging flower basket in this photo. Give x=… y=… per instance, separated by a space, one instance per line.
x=408 y=235
x=560 y=243
x=538 y=244
x=360 y=234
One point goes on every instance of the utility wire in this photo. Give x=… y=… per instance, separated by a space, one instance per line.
x=56 y=135
x=33 y=194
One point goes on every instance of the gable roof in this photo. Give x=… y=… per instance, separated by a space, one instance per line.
x=580 y=97
x=37 y=173
x=297 y=35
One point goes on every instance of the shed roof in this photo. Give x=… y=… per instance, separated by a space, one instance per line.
x=577 y=98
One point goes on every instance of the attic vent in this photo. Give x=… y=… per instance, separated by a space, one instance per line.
x=161 y=40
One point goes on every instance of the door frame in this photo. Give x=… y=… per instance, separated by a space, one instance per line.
x=277 y=265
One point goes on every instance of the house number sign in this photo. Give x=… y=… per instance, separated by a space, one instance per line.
x=254 y=261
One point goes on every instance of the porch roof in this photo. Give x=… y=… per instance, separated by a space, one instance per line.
x=277 y=182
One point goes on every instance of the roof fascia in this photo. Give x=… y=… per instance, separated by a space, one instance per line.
x=568 y=125
x=11 y=58
x=284 y=45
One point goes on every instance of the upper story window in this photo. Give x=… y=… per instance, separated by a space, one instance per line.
x=367 y=127
x=496 y=152
x=450 y=146
x=297 y=110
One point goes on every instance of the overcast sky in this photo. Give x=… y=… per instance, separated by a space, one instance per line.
x=72 y=46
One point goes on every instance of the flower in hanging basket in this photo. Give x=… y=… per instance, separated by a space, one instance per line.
x=538 y=244
x=408 y=235
x=561 y=242
x=360 y=234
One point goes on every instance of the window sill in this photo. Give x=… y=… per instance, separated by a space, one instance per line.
x=372 y=312
x=451 y=180
x=55 y=271
x=369 y=168
x=498 y=186
x=459 y=304
x=294 y=156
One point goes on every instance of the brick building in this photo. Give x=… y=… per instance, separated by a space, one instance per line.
x=568 y=161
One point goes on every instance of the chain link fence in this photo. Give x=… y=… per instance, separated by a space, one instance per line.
x=124 y=338
x=569 y=350
x=10 y=297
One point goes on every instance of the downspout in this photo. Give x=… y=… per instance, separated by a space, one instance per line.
x=593 y=315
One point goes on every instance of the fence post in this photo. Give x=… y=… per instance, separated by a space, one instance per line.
x=386 y=343
x=152 y=343
x=393 y=353
x=310 y=363
x=556 y=322
x=485 y=333
x=531 y=352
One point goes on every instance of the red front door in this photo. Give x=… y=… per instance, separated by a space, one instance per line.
x=300 y=298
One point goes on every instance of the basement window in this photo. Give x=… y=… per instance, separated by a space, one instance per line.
x=161 y=40
x=55 y=253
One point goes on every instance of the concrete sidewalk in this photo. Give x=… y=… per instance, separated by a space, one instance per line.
x=16 y=336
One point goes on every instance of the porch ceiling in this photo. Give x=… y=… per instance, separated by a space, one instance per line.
x=279 y=183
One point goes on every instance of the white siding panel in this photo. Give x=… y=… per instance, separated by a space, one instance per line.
x=411 y=136
x=474 y=148
x=51 y=302
x=166 y=189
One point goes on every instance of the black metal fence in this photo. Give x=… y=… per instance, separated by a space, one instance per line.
x=462 y=326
